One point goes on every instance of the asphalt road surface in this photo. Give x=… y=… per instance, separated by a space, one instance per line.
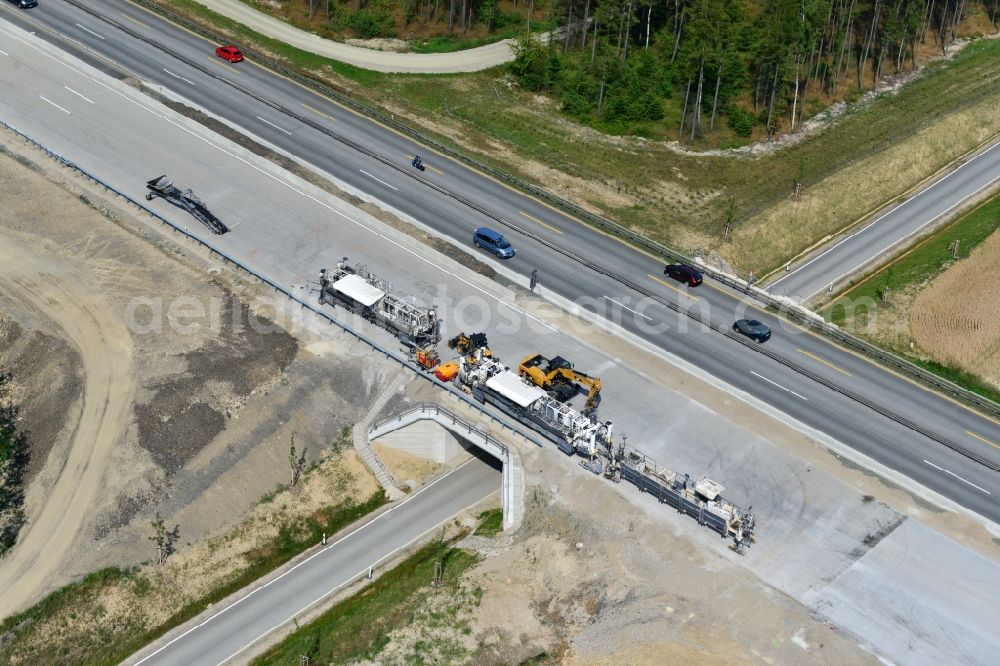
x=229 y=630
x=200 y=77
x=853 y=253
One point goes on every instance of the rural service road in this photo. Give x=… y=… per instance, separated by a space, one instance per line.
x=469 y=60
x=872 y=241
x=96 y=329
x=224 y=634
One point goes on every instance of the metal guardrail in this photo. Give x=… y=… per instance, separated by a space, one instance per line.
x=434 y=408
x=403 y=361
x=796 y=314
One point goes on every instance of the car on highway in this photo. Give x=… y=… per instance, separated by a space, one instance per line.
x=683 y=273
x=494 y=242
x=230 y=53
x=753 y=329
x=25 y=4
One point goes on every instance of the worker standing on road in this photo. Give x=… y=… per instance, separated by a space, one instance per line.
x=534 y=280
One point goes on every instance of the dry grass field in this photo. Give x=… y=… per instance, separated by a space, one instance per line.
x=778 y=233
x=956 y=319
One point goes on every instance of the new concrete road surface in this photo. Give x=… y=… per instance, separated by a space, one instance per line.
x=814 y=529
x=223 y=633
x=46 y=104
x=869 y=243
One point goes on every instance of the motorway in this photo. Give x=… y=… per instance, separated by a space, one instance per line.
x=869 y=243
x=222 y=90
x=228 y=631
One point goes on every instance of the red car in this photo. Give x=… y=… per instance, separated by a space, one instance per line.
x=230 y=53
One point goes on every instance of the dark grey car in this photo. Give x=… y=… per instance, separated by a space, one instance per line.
x=753 y=329
x=25 y=4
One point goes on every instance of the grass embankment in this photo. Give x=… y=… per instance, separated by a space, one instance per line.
x=677 y=198
x=490 y=523
x=881 y=307
x=359 y=627
x=112 y=613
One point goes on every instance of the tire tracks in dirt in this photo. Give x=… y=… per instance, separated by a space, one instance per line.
x=36 y=280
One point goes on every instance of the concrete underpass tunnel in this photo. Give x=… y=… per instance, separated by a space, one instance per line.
x=436 y=434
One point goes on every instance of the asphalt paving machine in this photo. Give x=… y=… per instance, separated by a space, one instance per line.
x=361 y=292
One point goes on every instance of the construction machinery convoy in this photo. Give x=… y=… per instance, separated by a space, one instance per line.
x=364 y=294
x=573 y=432
x=538 y=396
x=560 y=379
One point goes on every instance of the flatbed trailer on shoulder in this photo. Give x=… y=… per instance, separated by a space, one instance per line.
x=186 y=199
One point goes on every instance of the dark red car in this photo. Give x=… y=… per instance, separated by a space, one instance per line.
x=230 y=53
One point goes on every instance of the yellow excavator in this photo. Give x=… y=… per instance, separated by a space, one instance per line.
x=466 y=344
x=558 y=377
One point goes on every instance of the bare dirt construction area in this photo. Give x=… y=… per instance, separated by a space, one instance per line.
x=955 y=319
x=610 y=585
x=147 y=383
x=116 y=608
x=410 y=470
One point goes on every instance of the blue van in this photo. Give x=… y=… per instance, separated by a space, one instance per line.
x=494 y=242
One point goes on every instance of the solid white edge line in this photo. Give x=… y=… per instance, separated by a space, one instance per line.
x=378 y=179
x=282 y=129
x=890 y=212
x=296 y=566
x=78 y=95
x=55 y=105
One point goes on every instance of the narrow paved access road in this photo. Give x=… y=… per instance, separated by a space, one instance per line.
x=880 y=237
x=224 y=634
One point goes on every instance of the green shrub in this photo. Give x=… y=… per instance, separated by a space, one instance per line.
x=741 y=121
x=373 y=21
